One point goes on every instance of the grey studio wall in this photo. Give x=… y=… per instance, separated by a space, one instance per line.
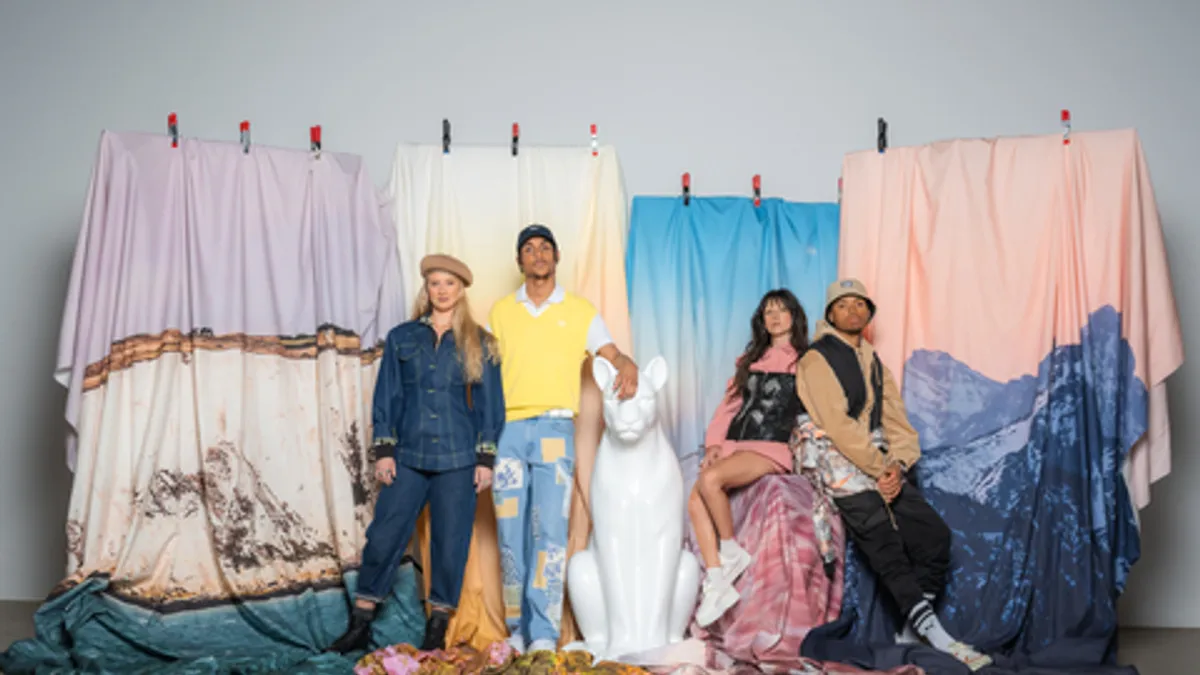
x=724 y=90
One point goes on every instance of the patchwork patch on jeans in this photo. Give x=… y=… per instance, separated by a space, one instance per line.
x=507 y=507
x=509 y=474
x=508 y=568
x=554 y=613
x=566 y=505
x=553 y=449
x=551 y=568
x=513 y=594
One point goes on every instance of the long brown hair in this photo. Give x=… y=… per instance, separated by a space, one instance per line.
x=470 y=340
x=760 y=339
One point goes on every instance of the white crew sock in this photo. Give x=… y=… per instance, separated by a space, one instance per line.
x=925 y=621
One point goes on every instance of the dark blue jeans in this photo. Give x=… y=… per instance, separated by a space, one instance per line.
x=451 y=499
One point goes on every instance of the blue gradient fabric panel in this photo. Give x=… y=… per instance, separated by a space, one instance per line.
x=696 y=274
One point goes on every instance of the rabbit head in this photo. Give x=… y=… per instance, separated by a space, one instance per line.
x=630 y=419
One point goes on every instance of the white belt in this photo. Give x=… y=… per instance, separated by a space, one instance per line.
x=559 y=413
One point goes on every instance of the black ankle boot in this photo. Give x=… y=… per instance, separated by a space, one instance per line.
x=358 y=636
x=435 y=631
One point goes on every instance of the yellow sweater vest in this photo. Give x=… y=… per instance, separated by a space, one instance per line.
x=541 y=357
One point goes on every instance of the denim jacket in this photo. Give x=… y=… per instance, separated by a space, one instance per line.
x=420 y=412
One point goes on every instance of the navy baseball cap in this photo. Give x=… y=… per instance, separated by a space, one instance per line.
x=535 y=230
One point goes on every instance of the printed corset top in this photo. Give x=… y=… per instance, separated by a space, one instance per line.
x=768 y=411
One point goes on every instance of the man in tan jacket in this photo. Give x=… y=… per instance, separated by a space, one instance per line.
x=853 y=399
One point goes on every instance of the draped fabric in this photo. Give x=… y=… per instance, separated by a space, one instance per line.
x=472 y=203
x=785 y=592
x=219 y=348
x=696 y=275
x=1023 y=294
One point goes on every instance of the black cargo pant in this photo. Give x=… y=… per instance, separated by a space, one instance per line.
x=912 y=557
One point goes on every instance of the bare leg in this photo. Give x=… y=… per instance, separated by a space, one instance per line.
x=736 y=470
x=706 y=536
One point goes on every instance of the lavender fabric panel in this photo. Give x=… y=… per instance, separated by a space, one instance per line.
x=203 y=236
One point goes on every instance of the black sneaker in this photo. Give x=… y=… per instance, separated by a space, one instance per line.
x=358 y=636
x=435 y=631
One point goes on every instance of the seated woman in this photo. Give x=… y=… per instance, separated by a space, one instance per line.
x=746 y=440
x=438 y=412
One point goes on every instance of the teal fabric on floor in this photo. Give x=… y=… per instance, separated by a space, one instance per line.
x=88 y=629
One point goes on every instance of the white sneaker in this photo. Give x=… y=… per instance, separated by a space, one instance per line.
x=543 y=645
x=969 y=656
x=734 y=562
x=719 y=596
x=517 y=643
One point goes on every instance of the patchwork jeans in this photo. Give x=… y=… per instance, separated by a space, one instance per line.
x=534 y=474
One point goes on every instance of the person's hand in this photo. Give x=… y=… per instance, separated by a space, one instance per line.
x=890 y=483
x=710 y=456
x=483 y=478
x=626 y=382
x=385 y=470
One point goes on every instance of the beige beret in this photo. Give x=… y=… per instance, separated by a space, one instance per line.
x=446 y=263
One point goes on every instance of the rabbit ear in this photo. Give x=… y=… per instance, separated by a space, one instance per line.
x=604 y=373
x=655 y=373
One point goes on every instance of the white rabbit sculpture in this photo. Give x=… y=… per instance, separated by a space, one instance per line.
x=633 y=589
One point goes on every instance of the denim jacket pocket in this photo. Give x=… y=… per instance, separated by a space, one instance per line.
x=407 y=353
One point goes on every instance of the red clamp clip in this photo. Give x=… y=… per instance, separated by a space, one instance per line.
x=244 y=133
x=516 y=137
x=595 y=148
x=1066 y=124
x=687 y=189
x=757 y=183
x=173 y=129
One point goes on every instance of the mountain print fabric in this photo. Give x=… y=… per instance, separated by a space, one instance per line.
x=1023 y=287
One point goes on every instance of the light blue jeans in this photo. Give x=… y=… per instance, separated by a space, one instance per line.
x=534 y=474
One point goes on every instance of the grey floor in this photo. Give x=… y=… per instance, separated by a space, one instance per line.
x=1155 y=651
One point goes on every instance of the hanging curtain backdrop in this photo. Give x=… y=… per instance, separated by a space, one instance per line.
x=696 y=275
x=472 y=203
x=219 y=347
x=1023 y=291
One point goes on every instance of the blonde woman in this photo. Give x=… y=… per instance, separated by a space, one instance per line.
x=438 y=413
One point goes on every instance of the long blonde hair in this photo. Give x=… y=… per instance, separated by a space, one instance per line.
x=467 y=334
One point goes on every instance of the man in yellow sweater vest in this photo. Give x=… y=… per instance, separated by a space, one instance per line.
x=544 y=335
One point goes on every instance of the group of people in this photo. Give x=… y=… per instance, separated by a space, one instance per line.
x=831 y=411
x=459 y=408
